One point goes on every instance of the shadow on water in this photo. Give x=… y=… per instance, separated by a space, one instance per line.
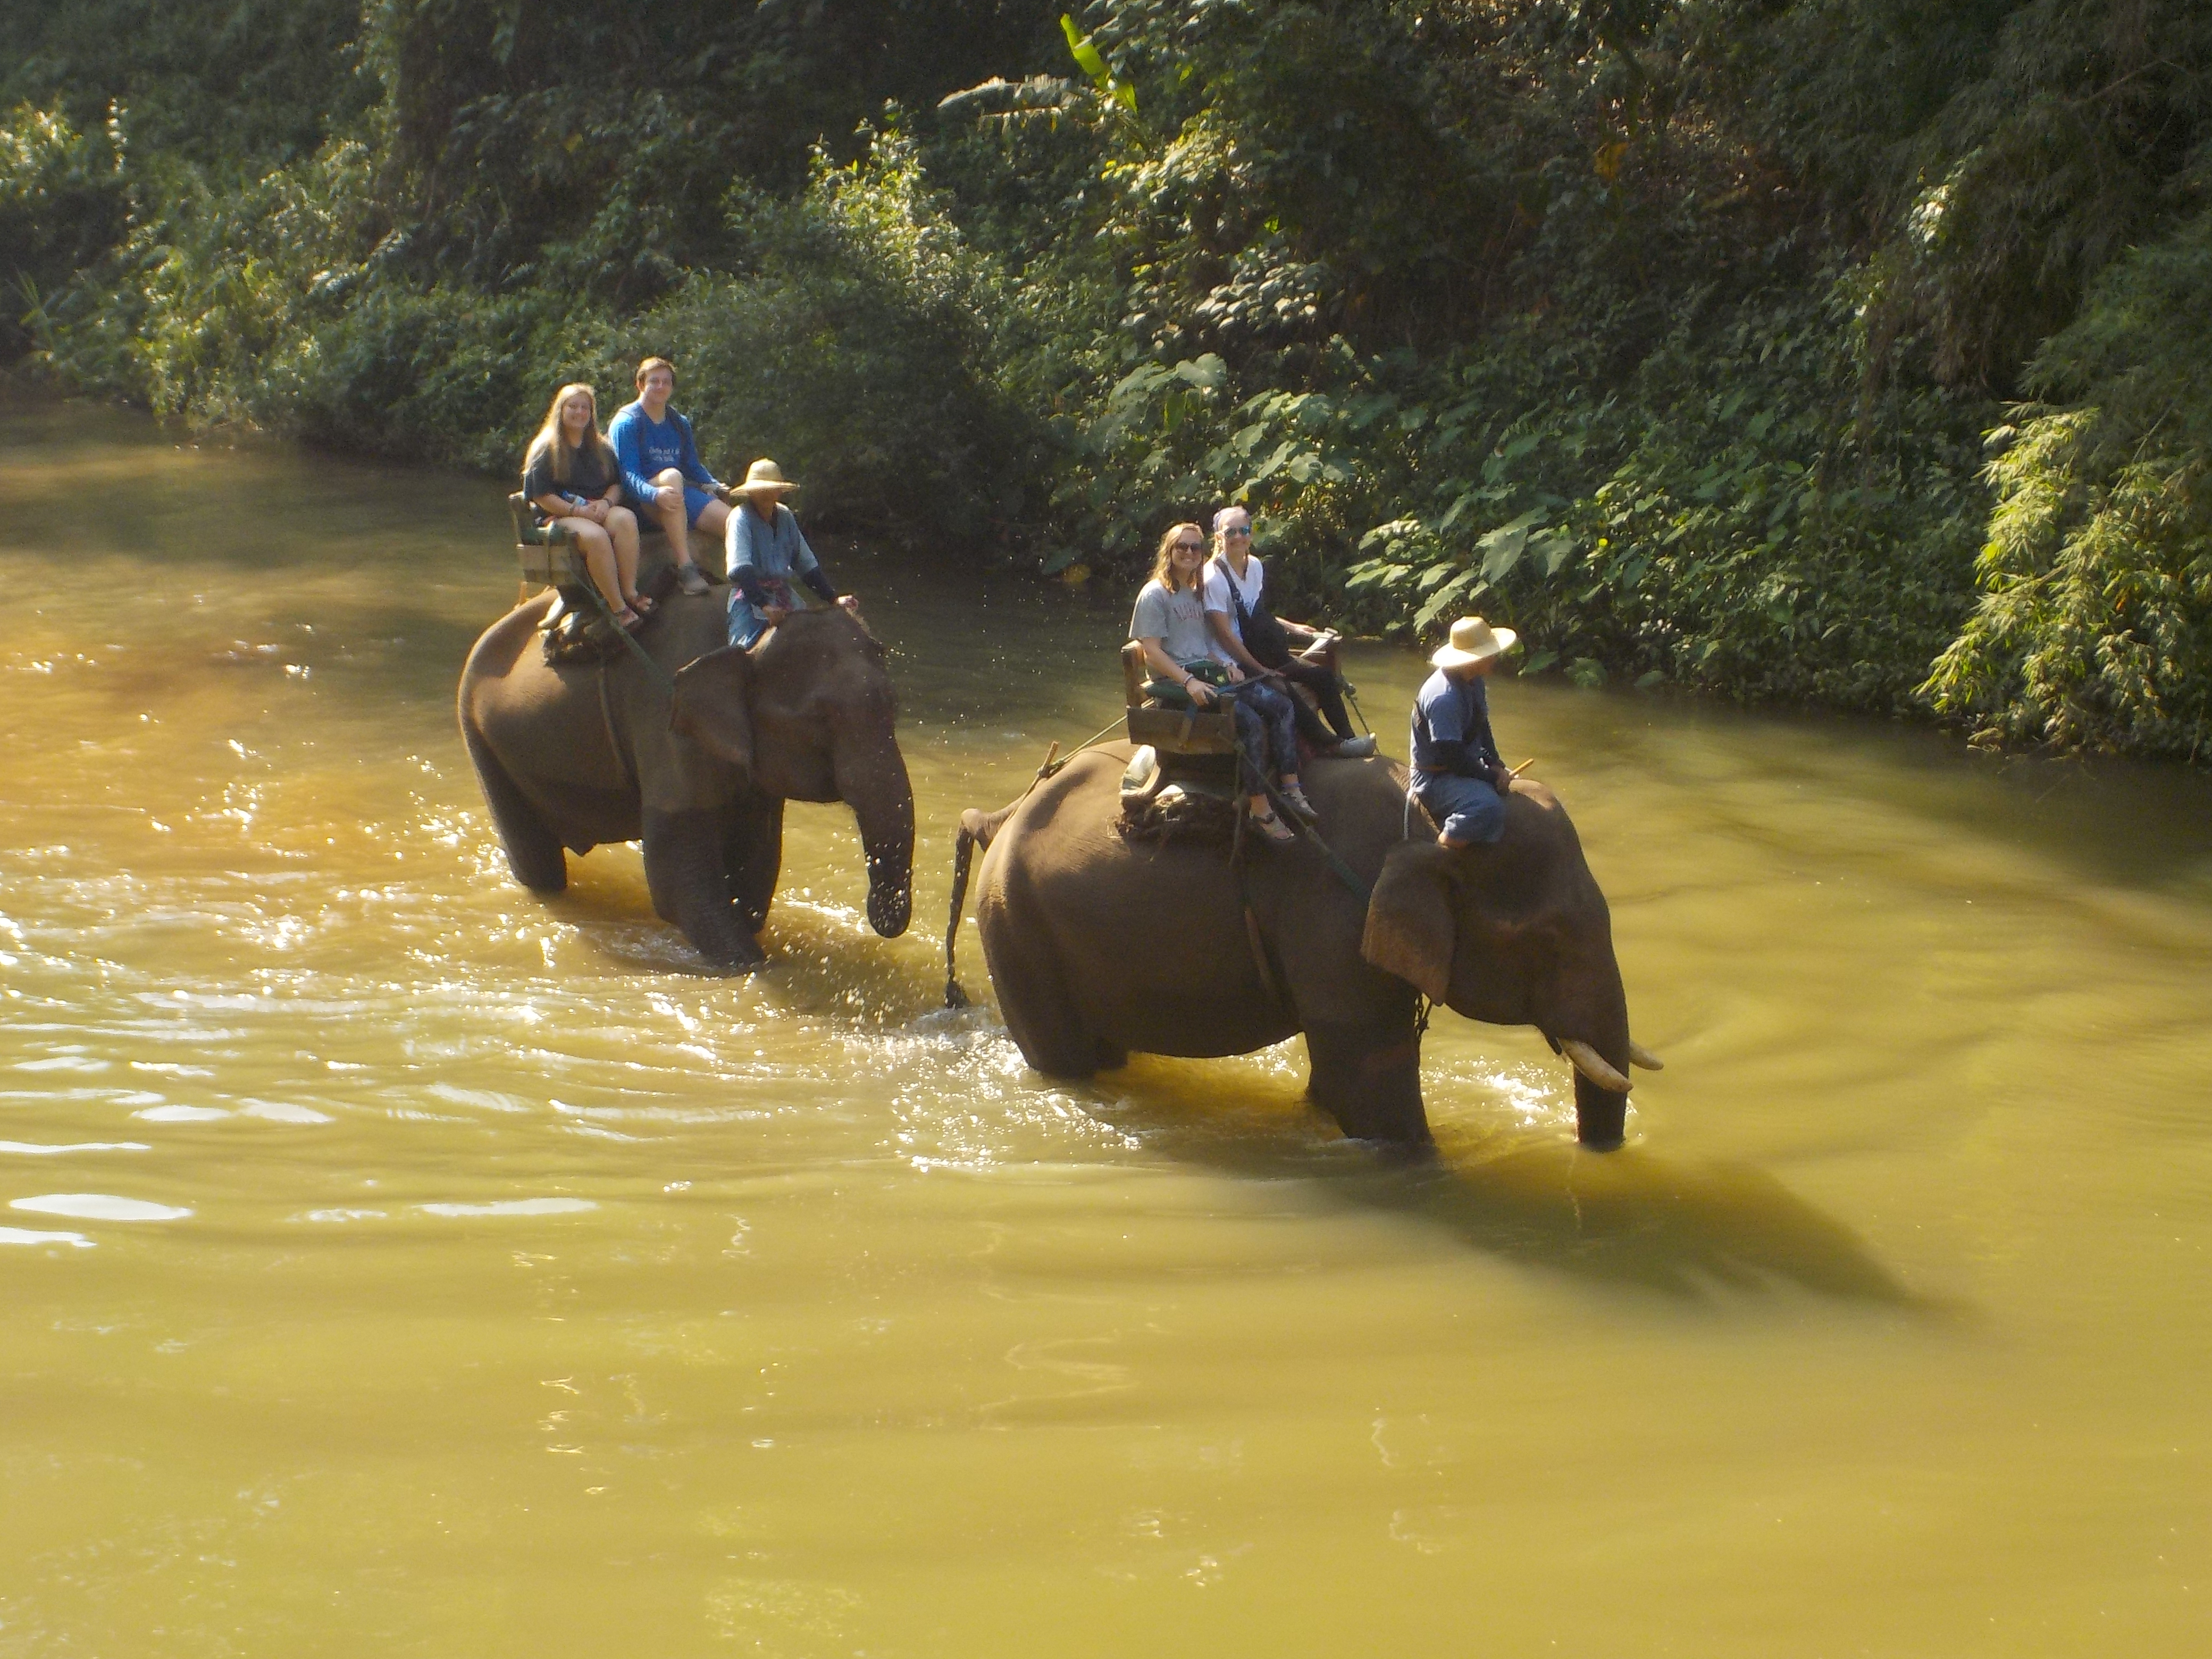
x=1641 y=1219
x=1636 y=1219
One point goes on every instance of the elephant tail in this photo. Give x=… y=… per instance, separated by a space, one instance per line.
x=977 y=828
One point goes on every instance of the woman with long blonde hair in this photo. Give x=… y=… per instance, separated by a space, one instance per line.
x=572 y=479
x=1169 y=623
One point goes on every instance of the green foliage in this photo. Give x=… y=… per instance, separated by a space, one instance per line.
x=220 y=82
x=849 y=344
x=1663 y=330
x=61 y=205
x=2094 y=628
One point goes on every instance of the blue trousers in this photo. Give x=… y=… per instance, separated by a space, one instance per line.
x=1266 y=730
x=747 y=624
x=1468 y=809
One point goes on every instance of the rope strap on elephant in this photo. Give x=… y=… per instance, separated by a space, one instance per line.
x=661 y=676
x=1344 y=871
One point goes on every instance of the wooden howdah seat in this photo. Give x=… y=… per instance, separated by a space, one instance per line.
x=548 y=557
x=1193 y=746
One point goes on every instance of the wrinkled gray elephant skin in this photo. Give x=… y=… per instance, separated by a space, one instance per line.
x=573 y=756
x=1098 y=946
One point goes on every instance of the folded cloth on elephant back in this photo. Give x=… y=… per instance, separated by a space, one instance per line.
x=579 y=638
x=1156 y=807
x=1177 y=813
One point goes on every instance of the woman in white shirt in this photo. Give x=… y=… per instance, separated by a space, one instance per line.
x=1170 y=623
x=1247 y=632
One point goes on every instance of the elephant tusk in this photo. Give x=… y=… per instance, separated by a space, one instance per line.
x=1592 y=1065
x=1640 y=1055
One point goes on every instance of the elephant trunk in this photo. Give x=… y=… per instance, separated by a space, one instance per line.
x=874 y=783
x=1600 y=1116
x=1594 y=1036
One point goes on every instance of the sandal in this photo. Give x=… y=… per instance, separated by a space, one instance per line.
x=631 y=626
x=1273 y=829
x=644 y=605
x=1295 y=799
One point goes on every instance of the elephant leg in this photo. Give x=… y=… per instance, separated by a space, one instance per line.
x=1369 y=1080
x=683 y=872
x=752 y=855
x=1043 y=1019
x=533 y=851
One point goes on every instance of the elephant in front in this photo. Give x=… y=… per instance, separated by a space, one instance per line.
x=574 y=756
x=1098 y=944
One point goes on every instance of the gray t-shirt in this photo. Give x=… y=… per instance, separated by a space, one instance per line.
x=1176 y=620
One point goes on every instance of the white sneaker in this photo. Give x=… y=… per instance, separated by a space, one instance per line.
x=1354 y=749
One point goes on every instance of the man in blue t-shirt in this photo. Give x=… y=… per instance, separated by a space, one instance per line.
x=661 y=471
x=1457 y=773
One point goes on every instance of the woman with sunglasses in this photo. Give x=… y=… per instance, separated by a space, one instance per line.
x=571 y=478
x=1169 y=623
x=1247 y=632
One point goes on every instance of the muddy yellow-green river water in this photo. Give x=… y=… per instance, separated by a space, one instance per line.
x=395 y=1263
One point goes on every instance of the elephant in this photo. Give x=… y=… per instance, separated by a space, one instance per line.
x=1098 y=944
x=574 y=756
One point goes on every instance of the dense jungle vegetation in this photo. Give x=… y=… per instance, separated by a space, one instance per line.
x=1846 y=352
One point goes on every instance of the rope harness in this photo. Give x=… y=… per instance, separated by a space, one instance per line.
x=614 y=735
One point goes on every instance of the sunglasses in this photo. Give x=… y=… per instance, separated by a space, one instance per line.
x=1190 y=547
x=1234 y=531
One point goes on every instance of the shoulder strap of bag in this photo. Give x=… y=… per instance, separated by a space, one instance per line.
x=1236 y=594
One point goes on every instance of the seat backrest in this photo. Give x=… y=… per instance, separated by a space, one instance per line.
x=528 y=532
x=544 y=552
x=1132 y=673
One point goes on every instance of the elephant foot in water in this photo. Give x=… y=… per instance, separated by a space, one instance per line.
x=1370 y=1082
x=683 y=872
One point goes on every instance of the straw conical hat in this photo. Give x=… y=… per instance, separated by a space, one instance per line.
x=765 y=477
x=1473 y=640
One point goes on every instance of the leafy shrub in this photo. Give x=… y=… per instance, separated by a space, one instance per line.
x=855 y=343
x=2094 y=628
x=62 y=205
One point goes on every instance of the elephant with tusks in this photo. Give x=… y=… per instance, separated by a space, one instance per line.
x=1098 y=944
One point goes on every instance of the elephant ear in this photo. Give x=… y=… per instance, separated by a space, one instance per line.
x=713 y=706
x=1411 y=925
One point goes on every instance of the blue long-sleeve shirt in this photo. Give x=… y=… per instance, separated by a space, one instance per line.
x=645 y=446
x=1451 y=729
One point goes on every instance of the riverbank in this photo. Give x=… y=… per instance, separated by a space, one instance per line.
x=1778 y=352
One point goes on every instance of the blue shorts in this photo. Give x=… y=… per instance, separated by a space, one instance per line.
x=695 y=503
x=1468 y=809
